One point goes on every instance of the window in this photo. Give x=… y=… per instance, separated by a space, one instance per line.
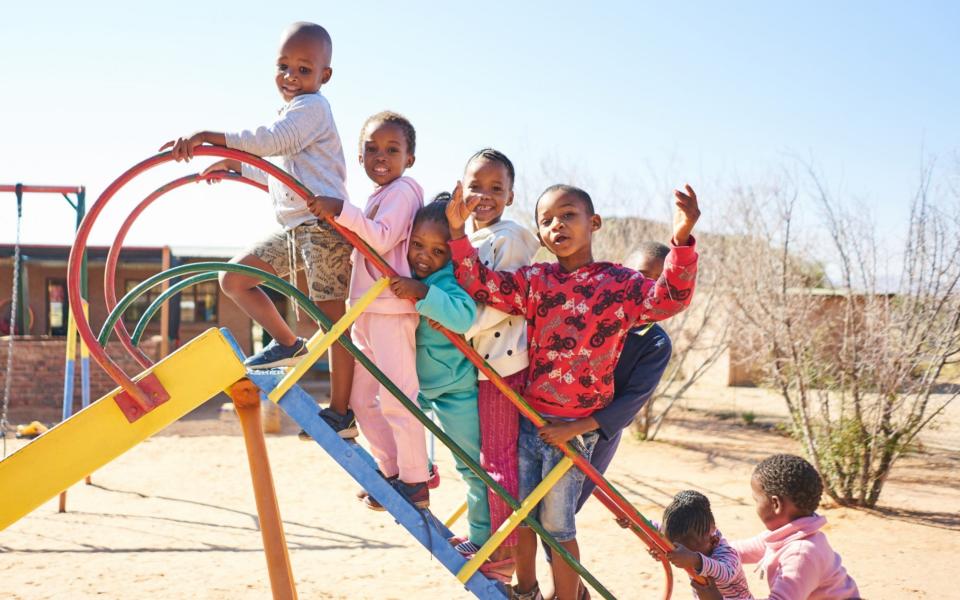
x=139 y=306
x=57 y=307
x=198 y=303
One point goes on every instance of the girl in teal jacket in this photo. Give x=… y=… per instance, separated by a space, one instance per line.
x=448 y=381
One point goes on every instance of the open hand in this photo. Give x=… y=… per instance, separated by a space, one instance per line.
x=458 y=210
x=686 y=215
x=221 y=166
x=182 y=147
x=408 y=288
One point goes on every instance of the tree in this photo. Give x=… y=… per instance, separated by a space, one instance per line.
x=857 y=362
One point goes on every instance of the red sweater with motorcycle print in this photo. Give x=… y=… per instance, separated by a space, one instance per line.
x=577 y=322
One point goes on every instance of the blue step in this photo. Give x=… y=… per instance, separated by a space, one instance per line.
x=429 y=531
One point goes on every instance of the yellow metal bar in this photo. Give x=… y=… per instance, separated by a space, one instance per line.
x=318 y=344
x=100 y=433
x=515 y=519
x=456 y=515
x=71 y=337
x=84 y=351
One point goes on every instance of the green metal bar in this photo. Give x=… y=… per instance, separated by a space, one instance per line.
x=276 y=283
x=69 y=201
x=172 y=291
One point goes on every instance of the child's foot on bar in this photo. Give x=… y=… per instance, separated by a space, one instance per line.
x=344 y=425
x=276 y=355
x=532 y=594
x=363 y=494
x=418 y=494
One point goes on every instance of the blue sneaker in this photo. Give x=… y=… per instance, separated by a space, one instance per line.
x=344 y=425
x=274 y=355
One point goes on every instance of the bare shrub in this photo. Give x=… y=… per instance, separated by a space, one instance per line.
x=857 y=362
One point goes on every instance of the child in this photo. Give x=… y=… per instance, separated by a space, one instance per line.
x=797 y=560
x=578 y=313
x=386 y=331
x=500 y=338
x=306 y=139
x=448 y=381
x=688 y=523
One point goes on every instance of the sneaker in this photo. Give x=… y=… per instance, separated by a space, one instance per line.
x=363 y=495
x=274 y=355
x=418 y=494
x=415 y=493
x=344 y=425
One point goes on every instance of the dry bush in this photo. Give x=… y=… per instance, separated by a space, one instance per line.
x=857 y=363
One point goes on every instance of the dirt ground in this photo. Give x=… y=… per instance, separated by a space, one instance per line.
x=175 y=518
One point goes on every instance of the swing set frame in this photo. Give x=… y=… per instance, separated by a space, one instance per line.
x=20 y=311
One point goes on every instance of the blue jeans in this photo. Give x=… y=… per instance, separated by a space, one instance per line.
x=537 y=458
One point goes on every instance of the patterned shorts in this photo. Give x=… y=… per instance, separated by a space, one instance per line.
x=319 y=250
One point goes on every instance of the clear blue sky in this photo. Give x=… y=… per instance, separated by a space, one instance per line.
x=626 y=98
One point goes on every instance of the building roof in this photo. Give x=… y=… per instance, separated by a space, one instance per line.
x=128 y=254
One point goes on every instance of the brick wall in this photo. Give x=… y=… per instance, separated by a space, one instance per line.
x=37 y=383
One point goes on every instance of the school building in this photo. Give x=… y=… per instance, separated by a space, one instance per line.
x=38 y=355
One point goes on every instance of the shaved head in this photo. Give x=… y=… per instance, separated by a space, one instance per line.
x=316 y=36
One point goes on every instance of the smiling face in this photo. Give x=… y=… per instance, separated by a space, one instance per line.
x=489 y=181
x=428 y=251
x=302 y=66
x=383 y=152
x=565 y=226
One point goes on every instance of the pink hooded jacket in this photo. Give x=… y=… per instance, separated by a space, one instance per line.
x=385 y=224
x=798 y=562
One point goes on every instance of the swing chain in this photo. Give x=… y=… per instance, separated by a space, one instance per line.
x=4 y=424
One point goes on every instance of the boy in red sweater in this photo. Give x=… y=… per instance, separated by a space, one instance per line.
x=578 y=312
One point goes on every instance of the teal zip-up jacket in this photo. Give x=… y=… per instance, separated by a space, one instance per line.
x=442 y=368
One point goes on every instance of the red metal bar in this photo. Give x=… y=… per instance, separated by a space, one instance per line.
x=44 y=189
x=113 y=257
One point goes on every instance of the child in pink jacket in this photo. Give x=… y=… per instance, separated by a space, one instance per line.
x=797 y=560
x=386 y=331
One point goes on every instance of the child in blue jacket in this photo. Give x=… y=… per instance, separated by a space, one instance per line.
x=448 y=381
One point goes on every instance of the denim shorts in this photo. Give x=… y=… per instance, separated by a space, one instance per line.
x=557 y=509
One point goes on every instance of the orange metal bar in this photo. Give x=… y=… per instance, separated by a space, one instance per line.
x=246 y=399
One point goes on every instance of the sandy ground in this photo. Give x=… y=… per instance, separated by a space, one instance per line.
x=175 y=518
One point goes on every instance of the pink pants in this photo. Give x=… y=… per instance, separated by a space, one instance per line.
x=499 y=432
x=397 y=439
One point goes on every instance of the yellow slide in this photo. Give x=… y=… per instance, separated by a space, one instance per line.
x=100 y=433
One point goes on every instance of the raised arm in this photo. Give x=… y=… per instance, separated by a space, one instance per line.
x=502 y=290
x=646 y=300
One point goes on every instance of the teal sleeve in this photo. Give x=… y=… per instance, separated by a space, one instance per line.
x=448 y=304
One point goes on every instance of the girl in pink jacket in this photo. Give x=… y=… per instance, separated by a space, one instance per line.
x=797 y=560
x=385 y=332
